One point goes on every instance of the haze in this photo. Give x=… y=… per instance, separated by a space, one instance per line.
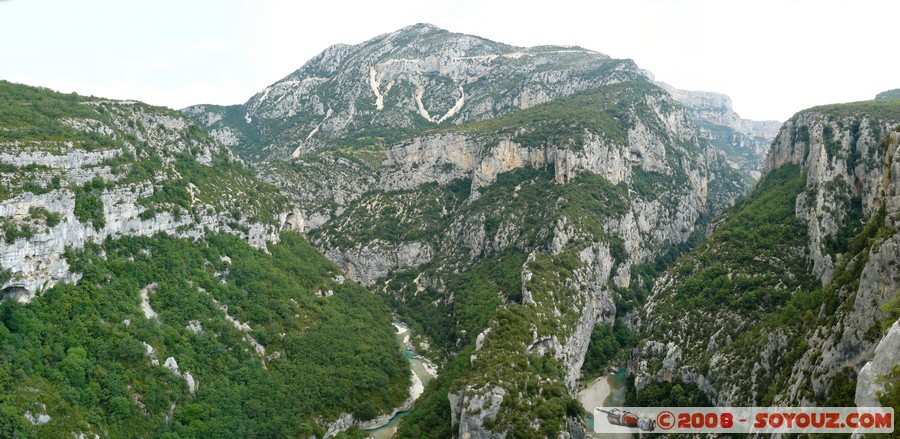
x=772 y=57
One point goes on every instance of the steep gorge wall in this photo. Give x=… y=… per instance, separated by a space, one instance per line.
x=847 y=209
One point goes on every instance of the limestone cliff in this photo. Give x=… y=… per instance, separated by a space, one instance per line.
x=801 y=311
x=102 y=169
x=870 y=382
x=745 y=141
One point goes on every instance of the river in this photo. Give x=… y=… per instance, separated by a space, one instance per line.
x=606 y=391
x=423 y=372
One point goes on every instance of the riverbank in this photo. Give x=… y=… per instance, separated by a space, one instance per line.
x=422 y=374
x=606 y=391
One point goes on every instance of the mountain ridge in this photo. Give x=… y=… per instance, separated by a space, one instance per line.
x=553 y=76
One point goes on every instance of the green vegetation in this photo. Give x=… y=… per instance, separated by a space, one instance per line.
x=666 y=394
x=38 y=114
x=365 y=134
x=397 y=216
x=370 y=156
x=534 y=201
x=537 y=401
x=482 y=289
x=430 y=417
x=608 y=346
x=751 y=245
x=886 y=109
x=233 y=117
x=563 y=122
x=753 y=276
x=891 y=312
x=88 y=205
x=888 y=95
x=192 y=186
x=890 y=397
x=478 y=292
x=138 y=152
x=750 y=274
x=80 y=349
x=51 y=219
x=648 y=184
x=13 y=231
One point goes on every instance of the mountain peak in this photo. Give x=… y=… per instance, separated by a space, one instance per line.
x=420 y=27
x=407 y=81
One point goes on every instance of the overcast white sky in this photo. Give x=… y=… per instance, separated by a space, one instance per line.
x=772 y=57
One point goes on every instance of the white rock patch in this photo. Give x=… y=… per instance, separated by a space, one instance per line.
x=172 y=365
x=243 y=327
x=39 y=419
x=373 y=82
x=145 y=301
x=194 y=326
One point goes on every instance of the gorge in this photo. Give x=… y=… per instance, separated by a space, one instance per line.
x=534 y=215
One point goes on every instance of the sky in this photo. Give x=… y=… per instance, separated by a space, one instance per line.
x=772 y=57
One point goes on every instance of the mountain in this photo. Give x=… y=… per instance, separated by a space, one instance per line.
x=508 y=201
x=888 y=95
x=399 y=84
x=791 y=299
x=152 y=285
x=340 y=112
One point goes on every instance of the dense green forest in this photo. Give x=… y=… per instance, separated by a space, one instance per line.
x=79 y=352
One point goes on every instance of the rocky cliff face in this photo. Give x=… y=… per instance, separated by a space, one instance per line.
x=745 y=141
x=871 y=379
x=804 y=334
x=106 y=169
x=340 y=113
x=479 y=158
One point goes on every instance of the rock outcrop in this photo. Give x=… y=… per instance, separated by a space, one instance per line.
x=887 y=355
